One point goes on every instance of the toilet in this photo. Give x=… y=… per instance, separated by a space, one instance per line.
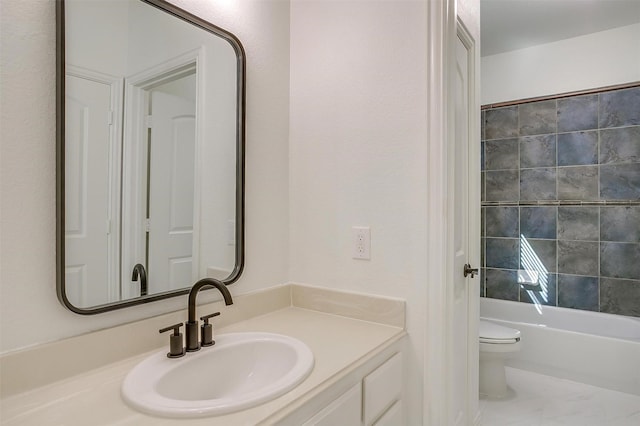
x=496 y=343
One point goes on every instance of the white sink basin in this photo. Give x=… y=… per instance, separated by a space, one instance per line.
x=241 y=370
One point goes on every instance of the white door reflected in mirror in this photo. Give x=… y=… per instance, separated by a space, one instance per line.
x=171 y=157
x=89 y=210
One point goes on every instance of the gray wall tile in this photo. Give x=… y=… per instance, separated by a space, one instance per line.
x=538 y=118
x=578 y=292
x=620 y=223
x=620 y=108
x=578 y=257
x=578 y=113
x=538 y=255
x=502 y=284
x=502 y=185
x=578 y=223
x=502 y=222
x=620 y=260
x=537 y=151
x=620 y=182
x=620 y=296
x=501 y=154
x=538 y=222
x=543 y=294
x=501 y=123
x=577 y=148
x=620 y=145
x=578 y=183
x=502 y=253
x=538 y=184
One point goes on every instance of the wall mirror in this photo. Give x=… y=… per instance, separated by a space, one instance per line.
x=150 y=153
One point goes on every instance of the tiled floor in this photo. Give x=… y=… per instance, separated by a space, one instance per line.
x=538 y=400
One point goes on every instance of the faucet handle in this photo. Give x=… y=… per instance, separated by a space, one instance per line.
x=176 y=350
x=206 y=317
x=206 y=330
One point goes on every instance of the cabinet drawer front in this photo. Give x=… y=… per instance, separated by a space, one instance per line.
x=382 y=388
x=393 y=416
x=344 y=411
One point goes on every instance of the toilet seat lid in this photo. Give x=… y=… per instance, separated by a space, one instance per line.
x=490 y=332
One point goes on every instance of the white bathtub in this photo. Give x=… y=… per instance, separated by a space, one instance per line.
x=588 y=347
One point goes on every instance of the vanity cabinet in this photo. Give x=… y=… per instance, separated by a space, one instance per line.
x=346 y=410
x=391 y=417
x=357 y=379
x=375 y=400
x=381 y=389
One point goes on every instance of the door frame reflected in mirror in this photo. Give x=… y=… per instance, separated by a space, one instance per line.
x=60 y=159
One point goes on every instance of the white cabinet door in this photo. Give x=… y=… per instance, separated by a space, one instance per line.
x=393 y=416
x=382 y=388
x=344 y=411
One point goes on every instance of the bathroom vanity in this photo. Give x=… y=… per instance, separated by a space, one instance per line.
x=358 y=343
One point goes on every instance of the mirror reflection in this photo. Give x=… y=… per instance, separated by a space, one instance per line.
x=152 y=153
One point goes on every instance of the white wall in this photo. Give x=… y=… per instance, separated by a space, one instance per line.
x=29 y=310
x=358 y=153
x=591 y=61
x=359 y=147
x=98 y=35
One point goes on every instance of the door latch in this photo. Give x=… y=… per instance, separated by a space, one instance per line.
x=469 y=270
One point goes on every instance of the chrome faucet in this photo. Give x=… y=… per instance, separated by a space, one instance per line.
x=191 y=329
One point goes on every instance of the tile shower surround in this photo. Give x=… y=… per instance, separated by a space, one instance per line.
x=561 y=195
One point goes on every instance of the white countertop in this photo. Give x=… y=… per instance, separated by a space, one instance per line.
x=339 y=344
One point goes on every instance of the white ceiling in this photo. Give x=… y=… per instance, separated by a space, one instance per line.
x=515 y=24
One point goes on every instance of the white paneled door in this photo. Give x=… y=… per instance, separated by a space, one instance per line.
x=460 y=237
x=89 y=277
x=171 y=191
x=465 y=238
